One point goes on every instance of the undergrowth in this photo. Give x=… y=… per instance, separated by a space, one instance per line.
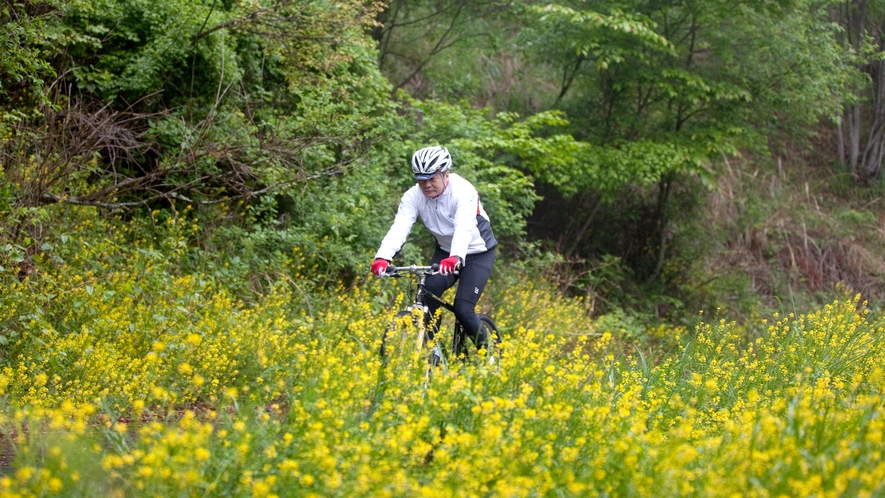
x=785 y=236
x=127 y=372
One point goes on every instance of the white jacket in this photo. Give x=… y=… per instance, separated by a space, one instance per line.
x=456 y=218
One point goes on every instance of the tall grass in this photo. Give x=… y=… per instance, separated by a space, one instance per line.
x=123 y=377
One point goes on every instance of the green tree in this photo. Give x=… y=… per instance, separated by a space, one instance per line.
x=199 y=100
x=701 y=70
x=454 y=49
x=861 y=129
x=658 y=90
x=23 y=64
x=157 y=104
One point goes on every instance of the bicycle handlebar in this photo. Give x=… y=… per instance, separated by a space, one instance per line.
x=395 y=271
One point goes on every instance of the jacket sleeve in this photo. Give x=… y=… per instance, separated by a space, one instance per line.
x=406 y=215
x=465 y=222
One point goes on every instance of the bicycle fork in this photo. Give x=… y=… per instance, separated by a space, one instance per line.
x=418 y=320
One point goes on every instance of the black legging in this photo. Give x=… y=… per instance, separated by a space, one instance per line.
x=473 y=277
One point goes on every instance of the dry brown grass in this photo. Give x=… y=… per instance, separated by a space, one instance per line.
x=798 y=229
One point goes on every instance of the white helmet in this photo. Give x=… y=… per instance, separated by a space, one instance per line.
x=429 y=161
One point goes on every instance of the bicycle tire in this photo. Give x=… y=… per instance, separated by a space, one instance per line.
x=400 y=339
x=395 y=339
x=465 y=348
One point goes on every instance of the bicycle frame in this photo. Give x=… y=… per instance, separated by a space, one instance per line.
x=419 y=302
x=419 y=305
x=423 y=272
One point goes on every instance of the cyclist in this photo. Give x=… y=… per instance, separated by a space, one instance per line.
x=449 y=207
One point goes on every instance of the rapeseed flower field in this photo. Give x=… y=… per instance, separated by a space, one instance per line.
x=122 y=377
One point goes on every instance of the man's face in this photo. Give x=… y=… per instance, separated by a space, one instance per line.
x=435 y=186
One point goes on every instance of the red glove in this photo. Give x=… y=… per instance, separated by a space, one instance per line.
x=449 y=265
x=379 y=266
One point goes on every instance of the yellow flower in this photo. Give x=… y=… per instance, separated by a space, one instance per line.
x=202 y=454
x=55 y=485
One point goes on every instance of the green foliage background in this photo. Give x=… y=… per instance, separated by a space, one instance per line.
x=597 y=135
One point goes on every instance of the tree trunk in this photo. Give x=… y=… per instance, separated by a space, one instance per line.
x=853 y=137
x=852 y=17
x=664 y=187
x=840 y=144
x=875 y=151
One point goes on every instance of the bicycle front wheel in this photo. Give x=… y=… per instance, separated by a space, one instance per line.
x=404 y=337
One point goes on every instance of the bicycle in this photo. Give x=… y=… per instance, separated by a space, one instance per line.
x=409 y=336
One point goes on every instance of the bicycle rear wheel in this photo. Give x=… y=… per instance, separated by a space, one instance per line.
x=489 y=352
